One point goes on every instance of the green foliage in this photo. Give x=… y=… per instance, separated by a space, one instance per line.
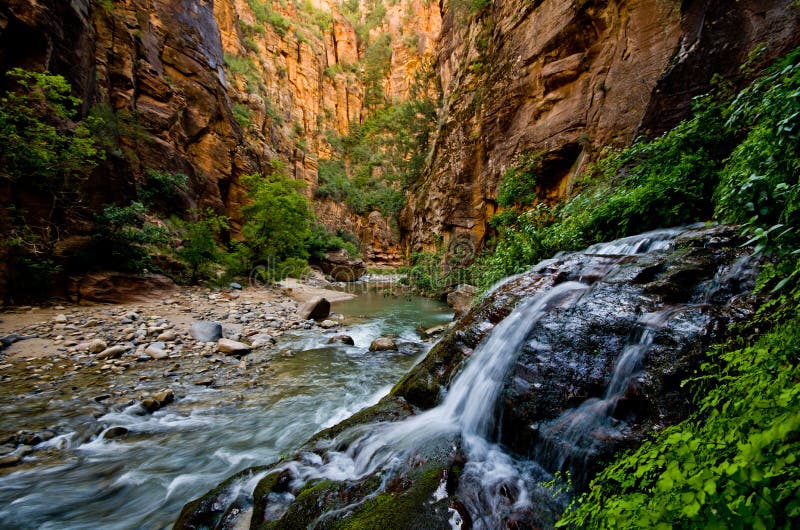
x=322 y=241
x=518 y=185
x=161 y=187
x=33 y=277
x=265 y=14
x=241 y=65
x=39 y=143
x=199 y=248
x=385 y=156
x=242 y=115
x=277 y=225
x=124 y=238
x=759 y=185
x=377 y=61
x=734 y=463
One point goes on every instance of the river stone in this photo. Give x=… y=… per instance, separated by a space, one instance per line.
x=12 y=459
x=233 y=347
x=328 y=324
x=342 y=339
x=113 y=433
x=383 y=344
x=156 y=350
x=262 y=340
x=167 y=336
x=95 y=346
x=315 y=309
x=60 y=319
x=114 y=352
x=206 y=331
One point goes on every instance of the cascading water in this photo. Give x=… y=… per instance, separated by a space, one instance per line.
x=494 y=484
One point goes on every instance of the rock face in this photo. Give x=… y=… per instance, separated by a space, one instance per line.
x=594 y=348
x=564 y=79
x=341 y=267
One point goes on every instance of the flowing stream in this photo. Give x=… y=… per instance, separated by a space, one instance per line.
x=81 y=480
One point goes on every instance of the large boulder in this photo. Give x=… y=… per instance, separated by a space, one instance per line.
x=315 y=309
x=341 y=267
x=461 y=299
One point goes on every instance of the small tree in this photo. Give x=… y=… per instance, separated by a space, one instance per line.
x=277 y=223
x=200 y=249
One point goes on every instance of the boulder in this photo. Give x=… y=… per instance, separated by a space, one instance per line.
x=461 y=299
x=383 y=344
x=206 y=331
x=315 y=309
x=117 y=287
x=342 y=339
x=233 y=347
x=341 y=267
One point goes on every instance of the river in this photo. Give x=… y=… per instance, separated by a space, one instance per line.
x=81 y=480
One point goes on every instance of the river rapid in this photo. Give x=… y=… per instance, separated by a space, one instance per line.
x=92 y=474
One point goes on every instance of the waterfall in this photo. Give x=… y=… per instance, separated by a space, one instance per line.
x=499 y=482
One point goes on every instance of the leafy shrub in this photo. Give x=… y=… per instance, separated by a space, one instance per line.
x=123 y=238
x=322 y=241
x=517 y=188
x=161 y=187
x=37 y=143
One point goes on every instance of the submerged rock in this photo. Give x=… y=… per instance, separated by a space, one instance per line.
x=341 y=339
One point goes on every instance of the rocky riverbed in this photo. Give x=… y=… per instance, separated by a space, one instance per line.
x=81 y=382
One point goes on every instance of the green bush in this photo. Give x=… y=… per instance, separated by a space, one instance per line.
x=37 y=143
x=123 y=238
x=518 y=187
x=161 y=188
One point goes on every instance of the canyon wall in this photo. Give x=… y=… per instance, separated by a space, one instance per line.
x=217 y=89
x=564 y=79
